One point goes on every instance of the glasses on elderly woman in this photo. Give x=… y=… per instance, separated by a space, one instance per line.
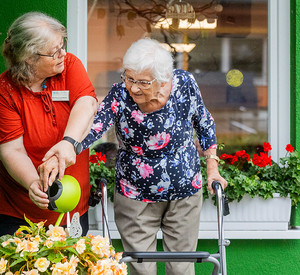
x=142 y=84
x=58 y=52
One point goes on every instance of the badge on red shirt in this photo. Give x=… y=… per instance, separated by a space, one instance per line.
x=60 y=95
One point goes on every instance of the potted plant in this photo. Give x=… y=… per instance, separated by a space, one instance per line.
x=34 y=250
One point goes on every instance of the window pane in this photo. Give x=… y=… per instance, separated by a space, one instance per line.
x=228 y=60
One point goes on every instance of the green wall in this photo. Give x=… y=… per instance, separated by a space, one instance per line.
x=244 y=257
x=295 y=82
x=11 y=9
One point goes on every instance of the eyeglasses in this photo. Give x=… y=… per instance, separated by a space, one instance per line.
x=58 y=52
x=142 y=84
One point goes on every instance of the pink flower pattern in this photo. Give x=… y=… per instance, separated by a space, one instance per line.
x=138 y=116
x=159 y=141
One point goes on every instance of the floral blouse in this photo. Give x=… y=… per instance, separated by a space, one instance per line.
x=157 y=159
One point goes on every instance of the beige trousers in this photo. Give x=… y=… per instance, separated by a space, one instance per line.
x=138 y=222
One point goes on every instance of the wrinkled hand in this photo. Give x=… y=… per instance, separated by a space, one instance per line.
x=48 y=171
x=65 y=153
x=215 y=177
x=37 y=195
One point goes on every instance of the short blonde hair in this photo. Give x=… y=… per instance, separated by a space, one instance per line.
x=28 y=35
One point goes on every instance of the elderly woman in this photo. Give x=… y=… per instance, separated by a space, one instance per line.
x=43 y=103
x=158 y=177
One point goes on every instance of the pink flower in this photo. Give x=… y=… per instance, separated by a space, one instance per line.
x=114 y=106
x=98 y=127
x=197 y=181
x=159 y=141
x=138 y=116
x=138 y=150
x=145 y=170
x=100 y=107
x=128 y=189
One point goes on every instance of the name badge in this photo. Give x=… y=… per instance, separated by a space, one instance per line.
x=60 y=95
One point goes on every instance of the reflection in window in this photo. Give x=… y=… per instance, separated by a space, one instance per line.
x=225 y=47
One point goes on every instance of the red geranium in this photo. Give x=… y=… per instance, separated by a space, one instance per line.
x=267 y=147
x=227 y=158
x=261 y=160
x=290 y=148
x=97 y=158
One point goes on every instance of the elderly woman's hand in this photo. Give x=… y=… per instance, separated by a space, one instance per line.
x=213 y=175
x=64 y=151
x=48 y=171
x=37 y=195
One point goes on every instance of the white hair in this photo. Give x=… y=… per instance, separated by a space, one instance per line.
x=148 y=54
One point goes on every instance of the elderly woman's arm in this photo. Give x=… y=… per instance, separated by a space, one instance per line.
x=16 y=161
x=79 y=123
x=212 y=170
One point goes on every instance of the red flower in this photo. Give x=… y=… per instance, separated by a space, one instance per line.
x=227 y=158
x=97 y=158
x=267 y=147
x=101 y=157
x=261 y=160
x=290 y=148
x=93 y=159
x=240 y=156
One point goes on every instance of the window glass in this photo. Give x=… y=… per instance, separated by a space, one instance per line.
x=226 y=52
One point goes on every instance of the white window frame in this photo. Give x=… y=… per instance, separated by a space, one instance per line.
x=278 y=82
x=279 y=76
x=278 y=64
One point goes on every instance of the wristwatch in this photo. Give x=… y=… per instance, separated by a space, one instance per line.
x=77 y=145
x=212 y=157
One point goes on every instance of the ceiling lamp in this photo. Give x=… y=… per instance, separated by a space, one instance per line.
x=179 y=47
x=180 y=10
x=167 y=23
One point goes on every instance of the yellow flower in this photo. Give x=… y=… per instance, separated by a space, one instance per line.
x=27 y=246
x=119 y=269
x=36 y=239
x=80 y=246
x=48 y=243
x=67 y=268
x=56 y=233
x=102 y=267
x=73 y=264
x=100 y=246
x=31 y=272
x=9 y=273
x=41 y=224
x=42 y=264
x=2 y=265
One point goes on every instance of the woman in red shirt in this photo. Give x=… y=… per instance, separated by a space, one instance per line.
x=46 y=99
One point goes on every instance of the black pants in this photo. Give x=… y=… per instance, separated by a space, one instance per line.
x=9 y=225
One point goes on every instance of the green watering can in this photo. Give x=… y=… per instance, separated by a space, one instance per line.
x=63 y=196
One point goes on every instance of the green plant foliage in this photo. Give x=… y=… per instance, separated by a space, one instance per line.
x=259 y=176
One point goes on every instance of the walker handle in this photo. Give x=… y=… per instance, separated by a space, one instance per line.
x=217 y=185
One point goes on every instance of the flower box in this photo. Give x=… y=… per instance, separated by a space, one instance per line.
x=250 y=214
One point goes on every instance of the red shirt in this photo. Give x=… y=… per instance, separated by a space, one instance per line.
x=42 y=122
